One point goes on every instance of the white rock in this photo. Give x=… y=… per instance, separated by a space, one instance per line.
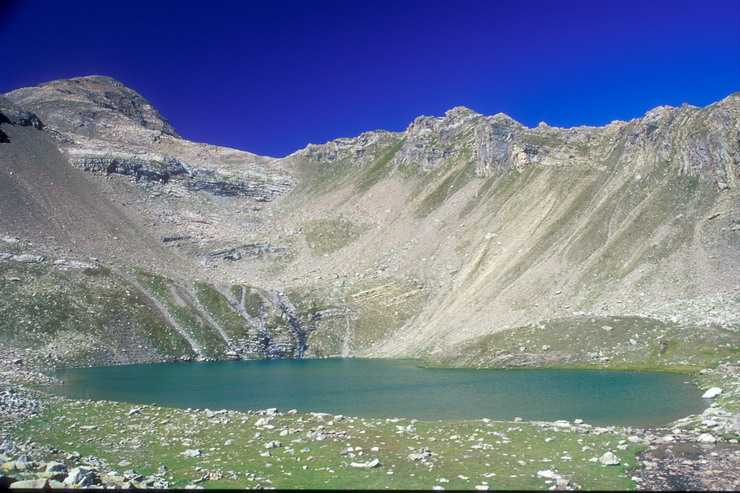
x=192 y=453
x=609 y=459
x=711 y=393
x=706 y=438
x=562 y=483
x=366 y=465
x=548 y=474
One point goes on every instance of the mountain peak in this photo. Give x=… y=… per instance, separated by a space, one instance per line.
x=461 y=112
x=72 y=104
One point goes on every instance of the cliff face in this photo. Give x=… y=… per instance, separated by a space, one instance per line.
x=698 y=140
x=430 y=242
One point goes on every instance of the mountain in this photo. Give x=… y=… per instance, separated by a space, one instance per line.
x=467 y=240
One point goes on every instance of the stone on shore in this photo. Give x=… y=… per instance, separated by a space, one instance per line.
x=712 y=393
x=609 y=459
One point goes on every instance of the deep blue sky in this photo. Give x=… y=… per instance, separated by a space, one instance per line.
x=271 y=76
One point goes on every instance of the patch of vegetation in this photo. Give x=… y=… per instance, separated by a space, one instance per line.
x=634 y=343
x=453 y=182
x=91 y=316
x=639 y=208
x=253 y=302
x=329 y=176
x=219 y=308
x=329 y=235
x=177 y=304
x=726 y=376
x=313 y=450
x=550 y=138
x=378 y=169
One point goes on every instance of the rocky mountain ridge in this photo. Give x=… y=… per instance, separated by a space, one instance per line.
x=434 y=242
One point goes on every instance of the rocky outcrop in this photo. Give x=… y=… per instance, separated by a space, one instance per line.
x=257 y=191
x=431 y=141
x=249 y=250
x=14 y=115
x=699 y=141
x=358 y=150
x=145 y=166
x=11 y=114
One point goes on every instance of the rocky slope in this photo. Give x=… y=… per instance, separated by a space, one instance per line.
x=467 y=240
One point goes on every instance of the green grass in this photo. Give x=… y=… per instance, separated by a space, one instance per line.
x=219 y=308
x=179 y=306
x=482 y=452
x=639 y=209
x=449 y=185
x=329 y=176
x=329 y=235
x=253 y=302
x=725 y=376
x=585 y=342
x=378 y=169
x=91 y=315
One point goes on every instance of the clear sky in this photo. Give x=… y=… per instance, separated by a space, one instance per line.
x=272 y=76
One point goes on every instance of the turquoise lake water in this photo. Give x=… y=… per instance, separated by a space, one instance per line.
x=387 y=388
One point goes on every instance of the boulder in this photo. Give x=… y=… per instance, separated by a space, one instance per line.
x=28 y=259
x=712 y=393
x=80 y=476
x=706 y=438
x=55 y=467
x=609 y=459
x=366 y=465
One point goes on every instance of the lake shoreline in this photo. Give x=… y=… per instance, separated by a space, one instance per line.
x=664 y=474
x=649 y=440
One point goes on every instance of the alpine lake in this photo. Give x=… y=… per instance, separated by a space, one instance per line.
x=395 y=388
